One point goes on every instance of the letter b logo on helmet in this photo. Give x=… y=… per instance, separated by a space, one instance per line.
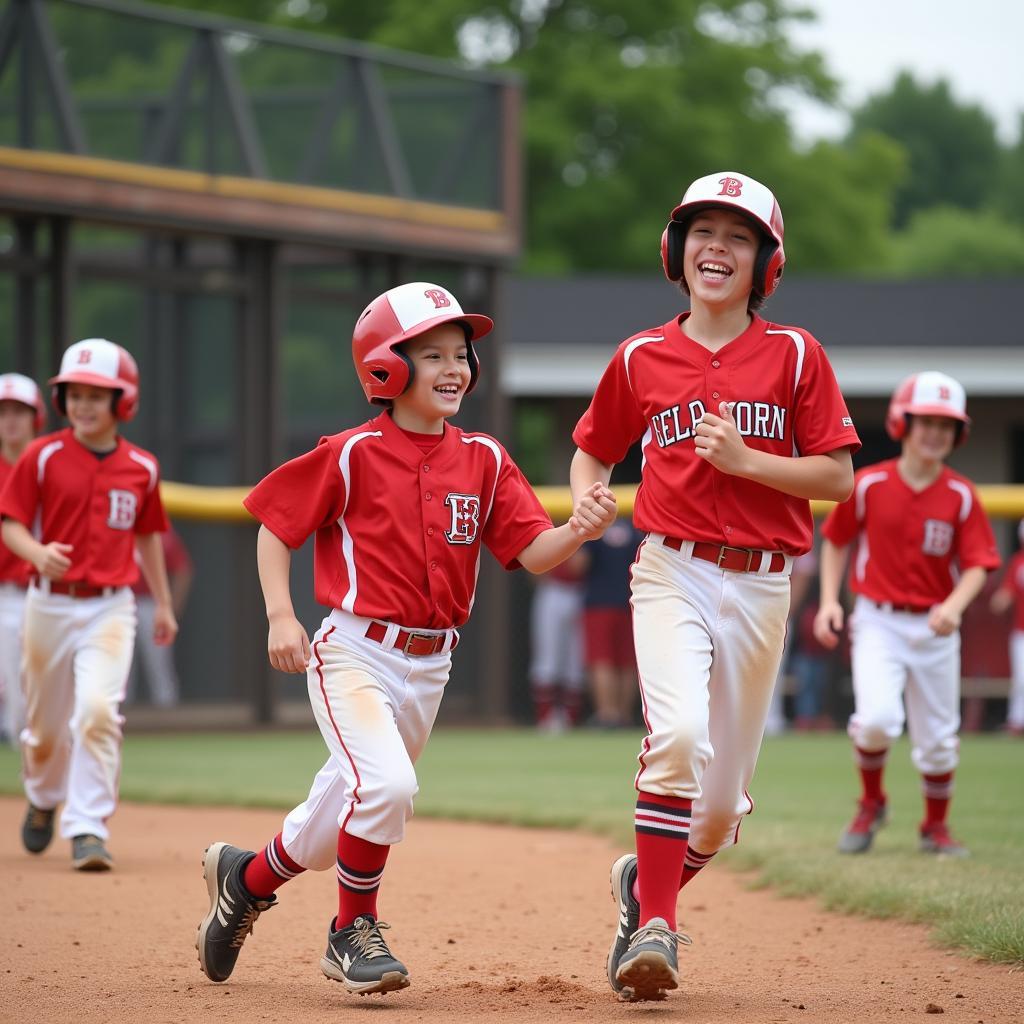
x=731 y=187
x=438 y=297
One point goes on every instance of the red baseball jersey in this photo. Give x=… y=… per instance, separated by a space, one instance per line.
x=1014 y=583
x=12 y=568
x=658 y=386
x=908 y=541
x=398 y=532
x=64 y=492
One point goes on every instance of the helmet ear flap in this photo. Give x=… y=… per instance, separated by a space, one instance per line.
x=673 y=242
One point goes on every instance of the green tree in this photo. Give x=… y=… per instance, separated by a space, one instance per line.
x=958 y=243
x=952 y=149
x=1009 y=196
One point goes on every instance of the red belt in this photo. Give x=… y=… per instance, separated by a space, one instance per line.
x=912 y=609
x=75 y=589
x=416 y=645
x=725 y=557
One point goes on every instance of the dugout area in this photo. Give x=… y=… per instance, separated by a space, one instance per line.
x=223 y=199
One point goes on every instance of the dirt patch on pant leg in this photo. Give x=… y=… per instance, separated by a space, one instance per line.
x=493 y=923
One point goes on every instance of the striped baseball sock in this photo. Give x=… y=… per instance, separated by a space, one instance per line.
x=360 y=869
x=662 y=826
x=871 y=764
x=270 y=869
x=695 y=861
x=938 y=791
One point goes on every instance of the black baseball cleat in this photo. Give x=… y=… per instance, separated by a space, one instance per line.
x=359 y=958
x=650 y=967
x=233 y=911
x=622 y=878
x=89 y=854
x=37 y=829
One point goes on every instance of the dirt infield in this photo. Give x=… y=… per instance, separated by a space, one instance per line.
x=494 y=923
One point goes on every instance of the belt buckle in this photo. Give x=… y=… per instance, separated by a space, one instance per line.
x=748 y=551
x=417 y=636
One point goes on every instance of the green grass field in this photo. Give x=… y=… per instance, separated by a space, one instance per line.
x=804 y=793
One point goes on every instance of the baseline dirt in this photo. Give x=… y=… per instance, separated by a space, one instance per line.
x=494 y=923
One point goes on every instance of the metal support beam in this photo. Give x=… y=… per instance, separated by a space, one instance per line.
x=61 y=288
x=25 y=292
x=223 y=72
x=384 y=125
x=71 y=132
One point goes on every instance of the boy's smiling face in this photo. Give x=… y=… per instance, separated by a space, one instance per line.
x=719 y=255
x=441 y=376
x=930 y=438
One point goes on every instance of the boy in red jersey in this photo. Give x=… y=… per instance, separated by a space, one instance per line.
x=1011 y=594
x=741 y=422
x=22 y=416
x=924 y=549
x=401 y=507
x=96 y=499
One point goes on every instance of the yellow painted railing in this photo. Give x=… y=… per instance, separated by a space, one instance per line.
x=224 y=504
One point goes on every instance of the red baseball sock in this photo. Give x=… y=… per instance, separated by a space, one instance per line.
x=695 y=861
x=662 y=826
x=360 y=869
x=543 y=696
x=270 y=869
x=871 y=764
x=572 y=702
x=938 y=790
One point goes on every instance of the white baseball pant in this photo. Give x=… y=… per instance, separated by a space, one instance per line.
x=77 y=654
x=375 y=708
x=896 y=659
x=1015 y=708
x=12 y=698
x=556 y=633
x=708 y=645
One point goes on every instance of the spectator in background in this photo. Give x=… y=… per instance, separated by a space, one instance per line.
x=1011 y=594
x=155 y=662
x=608 y=625
x=556 y=665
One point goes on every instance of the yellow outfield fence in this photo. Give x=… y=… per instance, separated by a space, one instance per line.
x=224 y=504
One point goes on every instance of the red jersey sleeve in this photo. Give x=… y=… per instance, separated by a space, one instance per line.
x=975 y=544
x=152 y=518
x=841 y=525
x=20 y=496
x=613 y=421
x=299 y=497
x=822 y=422
x=516 y=517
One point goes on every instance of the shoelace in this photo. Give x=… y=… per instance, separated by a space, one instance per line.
x=38 y=818
x=245 y=925
x=658 y=933
x=368 y=939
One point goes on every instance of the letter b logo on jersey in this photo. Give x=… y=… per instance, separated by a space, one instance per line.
x=730 y=187
x=438 y=298
x=123 y=506
x=465 y=518
x=938 y=537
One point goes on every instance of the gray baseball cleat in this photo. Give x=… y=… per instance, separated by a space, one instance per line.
x=359 y=958
x=650 y=966
x=936 y=839
x=89 y=854
x=37 y=829
x=622 y=878
x=860 y=834
x=233 y=910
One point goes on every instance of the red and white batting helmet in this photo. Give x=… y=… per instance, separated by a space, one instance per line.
x=103 y=364
x=733 y=191
x=396 y=316
x=16 y=387
x=927 y=394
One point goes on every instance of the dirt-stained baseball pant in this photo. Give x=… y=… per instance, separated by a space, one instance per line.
x=12 y=700
x=1015 y=710
x=375 y=707
x=77 y=655
x=897 y=657
x=557 y=635
x=708 y=646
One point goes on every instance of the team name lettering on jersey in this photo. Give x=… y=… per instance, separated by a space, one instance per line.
x=123 y=506
x=938 y=537
x=753 y=419
x=465 y=510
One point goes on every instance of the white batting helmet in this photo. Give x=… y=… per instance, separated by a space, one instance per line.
x=103 y=364
x=927 y=394
x=16 y=387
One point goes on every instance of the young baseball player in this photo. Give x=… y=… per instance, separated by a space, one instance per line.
x=741 y=422
x=924 y=549
x=401 y=507
x=22 y=416
x=76 y=505
x=1011 y=594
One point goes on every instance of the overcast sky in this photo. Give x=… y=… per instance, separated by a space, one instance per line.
x=977 y=45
